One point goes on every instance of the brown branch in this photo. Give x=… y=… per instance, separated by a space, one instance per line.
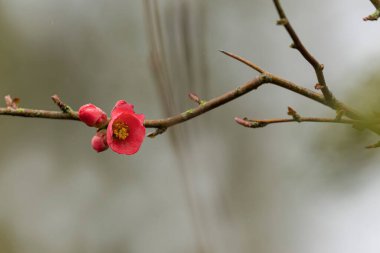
x=280 y=81
x=257 y=123
x=33 y=113
x=297 y=44
x=204 y=107
x=333 y=104
x=208 y=105
x=338 y=106
x=328 y=98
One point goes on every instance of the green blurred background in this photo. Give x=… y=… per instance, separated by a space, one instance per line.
x=208 y=185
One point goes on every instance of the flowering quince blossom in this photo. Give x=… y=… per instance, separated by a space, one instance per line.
x=93 y=116
x=125 y=131
x=99 y=141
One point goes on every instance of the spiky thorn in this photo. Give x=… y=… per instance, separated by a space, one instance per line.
x=245 y=61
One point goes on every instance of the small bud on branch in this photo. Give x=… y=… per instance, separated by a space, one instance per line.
x=294 y=114
x=11 y=103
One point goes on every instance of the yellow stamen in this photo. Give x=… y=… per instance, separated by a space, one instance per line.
x=120 y=130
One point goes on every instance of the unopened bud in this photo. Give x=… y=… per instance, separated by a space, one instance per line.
x=99 y=141
x=92 y=116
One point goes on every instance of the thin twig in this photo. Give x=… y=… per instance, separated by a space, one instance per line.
x=297 y=44
x=209 y=105
x=32 y=113
x=276 y=80
x=256 y=123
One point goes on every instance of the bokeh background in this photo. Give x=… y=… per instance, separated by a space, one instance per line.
x=205 y=186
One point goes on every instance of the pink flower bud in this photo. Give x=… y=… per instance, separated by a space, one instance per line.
x=93 y=116
x=99 y=141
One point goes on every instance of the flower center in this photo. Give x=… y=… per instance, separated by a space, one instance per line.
x=120 y=130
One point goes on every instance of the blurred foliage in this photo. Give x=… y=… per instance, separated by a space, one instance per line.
x=342 y=147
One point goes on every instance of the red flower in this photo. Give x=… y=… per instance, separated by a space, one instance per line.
x=92 y=116
x=125 y=131
x=99 y=141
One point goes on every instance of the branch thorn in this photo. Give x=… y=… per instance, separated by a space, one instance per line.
x=245 y=61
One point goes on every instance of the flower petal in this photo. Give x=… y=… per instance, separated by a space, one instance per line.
x=135 y=138
x=141 y=117
x=122 y=106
